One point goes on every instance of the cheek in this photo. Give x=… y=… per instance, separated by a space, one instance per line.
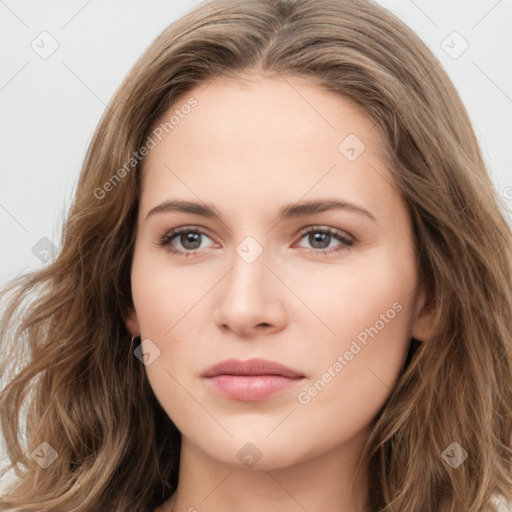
x=162 y=297
x=355 y=378
x=164 y=293
x=370 y=310
x=372 y=289
x=167 y=300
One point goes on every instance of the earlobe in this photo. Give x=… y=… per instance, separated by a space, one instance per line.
x=132 y=323
x=424 y=319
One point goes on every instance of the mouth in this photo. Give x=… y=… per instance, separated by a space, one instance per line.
x=251 y=380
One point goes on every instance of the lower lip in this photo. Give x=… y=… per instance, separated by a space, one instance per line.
x=251 y=388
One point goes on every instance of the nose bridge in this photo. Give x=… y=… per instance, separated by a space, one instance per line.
x=248 y=296
x=249 y=268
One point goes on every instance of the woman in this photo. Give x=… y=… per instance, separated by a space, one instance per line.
x=338 y=334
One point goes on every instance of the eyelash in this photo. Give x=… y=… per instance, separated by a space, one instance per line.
x=165 y=241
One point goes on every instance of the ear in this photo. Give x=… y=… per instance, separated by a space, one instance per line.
x=132 y=323
x=424 y=318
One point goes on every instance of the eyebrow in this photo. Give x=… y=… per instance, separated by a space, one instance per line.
x=287 y=212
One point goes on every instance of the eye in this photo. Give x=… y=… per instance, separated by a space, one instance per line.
x=320 y=237
x=189 y=238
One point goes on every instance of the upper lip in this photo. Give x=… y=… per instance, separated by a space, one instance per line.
x=255 y=366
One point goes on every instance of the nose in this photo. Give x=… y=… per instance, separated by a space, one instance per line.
x=251 y=298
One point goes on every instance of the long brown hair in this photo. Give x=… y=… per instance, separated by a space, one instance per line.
x=72 y=379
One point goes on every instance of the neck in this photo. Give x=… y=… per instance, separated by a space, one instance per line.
x=325 y=482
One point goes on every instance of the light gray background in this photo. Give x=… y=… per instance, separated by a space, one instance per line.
x=50 y=106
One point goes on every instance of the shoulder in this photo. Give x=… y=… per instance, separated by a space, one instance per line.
x=499 y=502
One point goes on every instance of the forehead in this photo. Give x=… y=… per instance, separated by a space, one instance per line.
x=263 y=107
x=266 y=135
x=259 y=107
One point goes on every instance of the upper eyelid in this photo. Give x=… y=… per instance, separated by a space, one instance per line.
x=205 y=230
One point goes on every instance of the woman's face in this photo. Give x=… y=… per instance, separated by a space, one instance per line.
x=338 y=307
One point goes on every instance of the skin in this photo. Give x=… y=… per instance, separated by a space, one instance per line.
x=249 y=149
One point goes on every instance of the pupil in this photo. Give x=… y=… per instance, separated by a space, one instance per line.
x=193 y=238
x=320 y=237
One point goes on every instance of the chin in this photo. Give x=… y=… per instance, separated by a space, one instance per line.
x=259 y=454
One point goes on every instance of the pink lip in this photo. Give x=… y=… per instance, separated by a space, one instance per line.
x=251 y=380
